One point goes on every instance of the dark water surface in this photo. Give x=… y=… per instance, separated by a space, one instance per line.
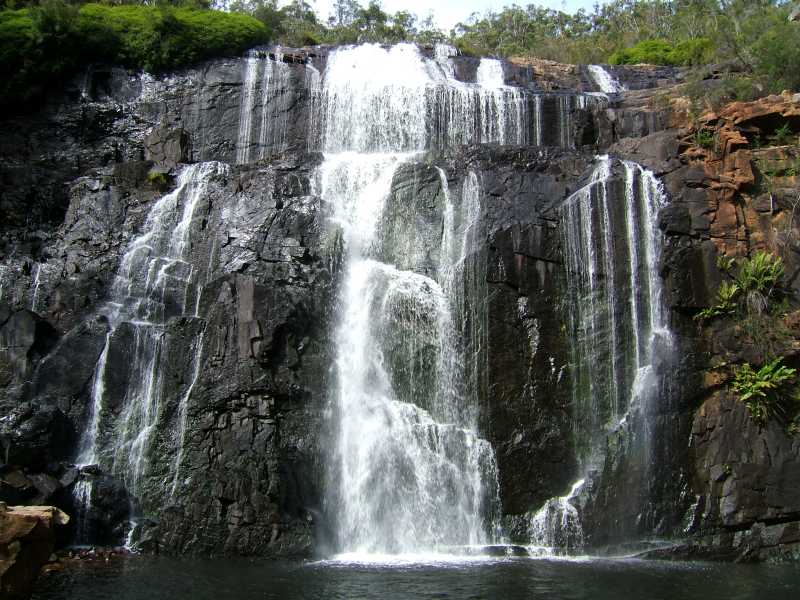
x=225 y=579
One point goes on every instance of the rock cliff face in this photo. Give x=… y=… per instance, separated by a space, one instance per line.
x=219 y=445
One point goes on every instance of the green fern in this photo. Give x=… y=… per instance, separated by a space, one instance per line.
x=760 y=273
x=726 y=302
x=761 y=390
x=782 y=135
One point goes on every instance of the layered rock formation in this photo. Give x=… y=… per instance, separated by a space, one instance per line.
x=225 y=449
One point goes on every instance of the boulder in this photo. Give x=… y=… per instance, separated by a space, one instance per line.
x=27 y=537
x=167 y=147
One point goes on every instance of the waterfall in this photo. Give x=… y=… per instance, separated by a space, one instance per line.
x=155 y=282
x=408 y=472
x=36 y=284
x=605 y=81
x=183 y=408
x=616 y=320
x=556 y=527
x=537 y=119
x=247 y=106
x=266 y=97
x=394 y=100
x=275 y=105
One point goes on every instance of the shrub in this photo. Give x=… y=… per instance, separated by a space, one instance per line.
x=760 y=273
x=764 y=390
x=18 y=36
x=698 y=51
x=158 y=179
x=660 y=52
x=704 y=138
x=162 y=38
x=42 y=44
x=776 y=55
x=726 y=302
x=782 y=136
x=656 y=52
x=756 y=280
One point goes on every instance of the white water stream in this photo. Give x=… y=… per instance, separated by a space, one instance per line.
x=409 y=473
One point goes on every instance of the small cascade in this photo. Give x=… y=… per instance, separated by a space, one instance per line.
x=264 y=108
x=611 y=244
x=605 y=81
x=616 y=321
x=408 y=472
x=313 y=84
x=567 y=103
x=538 y=127
x=246 y=109
x=183 y=405
x=82 y=497
x=36 y=284
x=275 y=105
x=556 y=527
x=155 y=281
x=444 y=52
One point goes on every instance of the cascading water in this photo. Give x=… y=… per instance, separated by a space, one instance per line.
x=36 y=284
x=264 y=106
x=363 y=112
x=408 y=473
x=616 y=319
x=155 y=281
x=605 y=81
x=556 y=527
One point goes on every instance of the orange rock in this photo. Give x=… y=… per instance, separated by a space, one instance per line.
x=26 y=543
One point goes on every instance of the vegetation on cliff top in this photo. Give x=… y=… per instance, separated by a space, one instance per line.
x=757 y=46
x=46 y=41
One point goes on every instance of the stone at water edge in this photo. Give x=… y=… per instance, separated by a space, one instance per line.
x=27 y=535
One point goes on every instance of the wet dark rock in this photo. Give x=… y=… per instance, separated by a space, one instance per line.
x=106 y=519
x=33 y=435
x=24 y=339
x=167 y=147
x=16 y=488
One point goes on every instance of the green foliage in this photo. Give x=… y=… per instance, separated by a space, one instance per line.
x=18 y=37
x=158 y=179
x=726 y=263
x=726 y=302
x=662 y=52
x=775 y=52
x=350 y=22
x=782 y=136
x=763 y=390
x=655 y=52
x=760 y=273
x=698 y=51
x=704 y=138
x=41 y=44
x=755 y=281
x=160 y=38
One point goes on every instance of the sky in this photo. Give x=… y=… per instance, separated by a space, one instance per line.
x=447 y=13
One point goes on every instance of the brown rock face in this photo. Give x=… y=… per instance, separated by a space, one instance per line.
x=26 y=543
x=745 y=476
x=744 y=197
